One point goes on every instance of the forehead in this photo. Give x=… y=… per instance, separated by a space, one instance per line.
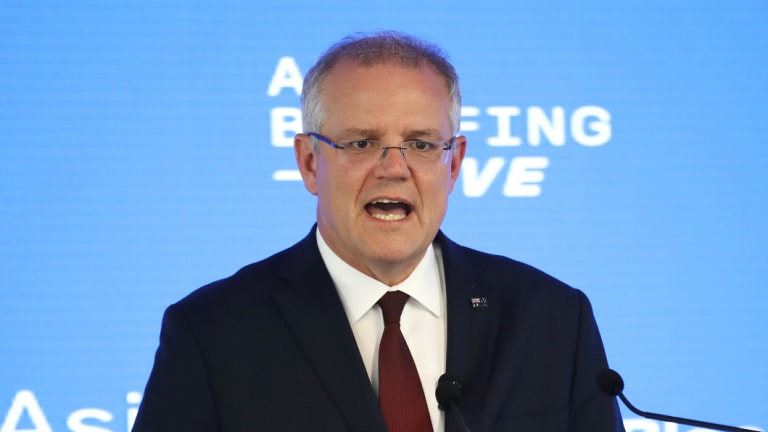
x=349 y=69
x=385 y=94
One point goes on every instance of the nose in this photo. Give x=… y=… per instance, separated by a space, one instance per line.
x=395 y=164
x=386 y=149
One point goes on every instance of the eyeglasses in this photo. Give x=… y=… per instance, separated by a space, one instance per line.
x=420 y=152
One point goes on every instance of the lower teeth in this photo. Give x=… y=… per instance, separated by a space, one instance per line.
x=389 y=217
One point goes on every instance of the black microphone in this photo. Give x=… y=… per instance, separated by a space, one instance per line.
x=611 y=383
x=448 y=394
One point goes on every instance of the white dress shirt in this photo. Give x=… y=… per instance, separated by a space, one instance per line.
x=423 y=321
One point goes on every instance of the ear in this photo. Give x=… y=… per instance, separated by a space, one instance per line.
x=457 y=157
x=306 y=159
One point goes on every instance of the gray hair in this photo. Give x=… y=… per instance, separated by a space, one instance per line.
x=371 y=49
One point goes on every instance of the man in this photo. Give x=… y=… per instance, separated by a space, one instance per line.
x=297 y=342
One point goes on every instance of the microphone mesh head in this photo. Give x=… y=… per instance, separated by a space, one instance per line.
x=448 y=390
x=610 y=382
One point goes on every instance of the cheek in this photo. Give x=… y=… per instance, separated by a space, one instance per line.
x=435 y=193
x=444 y=183
x=325 y=178
x=338 y=187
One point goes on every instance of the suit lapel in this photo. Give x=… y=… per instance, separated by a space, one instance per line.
x=472 y=328
x=311 y=307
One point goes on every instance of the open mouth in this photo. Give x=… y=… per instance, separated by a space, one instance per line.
x=388 y=210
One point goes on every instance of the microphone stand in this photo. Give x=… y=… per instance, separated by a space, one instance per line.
x=610 y=383
x=681 y=420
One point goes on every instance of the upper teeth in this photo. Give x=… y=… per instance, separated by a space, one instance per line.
x=385 y=201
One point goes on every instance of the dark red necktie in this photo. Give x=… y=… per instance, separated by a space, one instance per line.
x=400 y=394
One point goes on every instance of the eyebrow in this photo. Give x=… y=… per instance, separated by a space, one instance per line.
x=362 y=132
x=428 y=132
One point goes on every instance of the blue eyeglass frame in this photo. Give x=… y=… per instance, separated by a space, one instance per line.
x=400 y=147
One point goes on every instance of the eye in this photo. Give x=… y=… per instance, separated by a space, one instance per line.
x=421 y=146
x=361 y=144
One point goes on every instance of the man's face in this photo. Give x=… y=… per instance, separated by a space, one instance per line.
x=381 y=216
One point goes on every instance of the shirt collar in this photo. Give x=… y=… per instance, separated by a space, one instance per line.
x=359 y=292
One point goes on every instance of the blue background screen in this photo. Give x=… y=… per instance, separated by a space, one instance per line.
x=145 y=150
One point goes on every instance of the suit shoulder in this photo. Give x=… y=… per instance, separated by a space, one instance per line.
x=509 y=274
x=502 y=265
x=251 y=284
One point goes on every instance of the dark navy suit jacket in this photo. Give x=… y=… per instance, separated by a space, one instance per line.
x=270 y=349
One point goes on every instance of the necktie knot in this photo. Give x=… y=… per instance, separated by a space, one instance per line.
x=392 y=304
